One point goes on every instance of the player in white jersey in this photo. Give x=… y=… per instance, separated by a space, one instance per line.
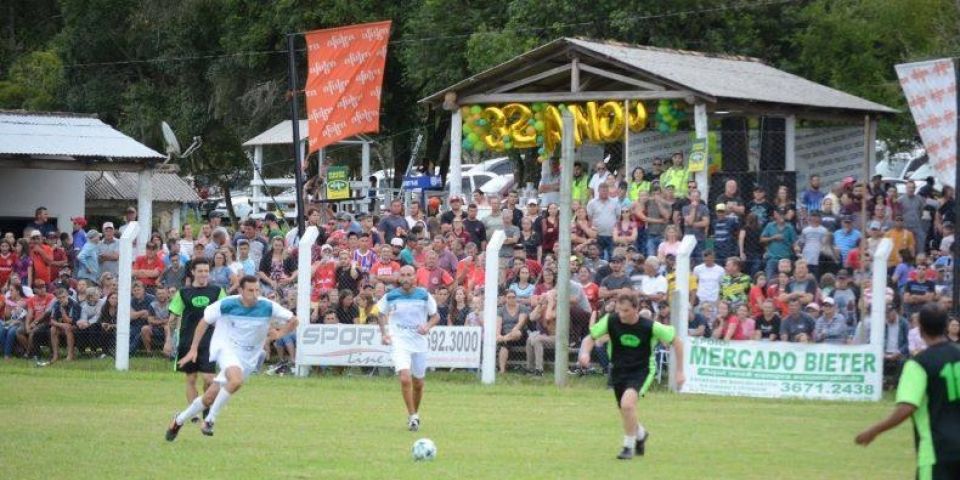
x=410 y=312
x=242 y=322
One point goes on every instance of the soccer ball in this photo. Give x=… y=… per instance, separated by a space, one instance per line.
x=424 y=449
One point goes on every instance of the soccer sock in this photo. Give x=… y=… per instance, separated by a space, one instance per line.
x=641 y=432
x=195 y=407
x=629 y=441
x=218 y=403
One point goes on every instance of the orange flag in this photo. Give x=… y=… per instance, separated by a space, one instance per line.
x=345 y=81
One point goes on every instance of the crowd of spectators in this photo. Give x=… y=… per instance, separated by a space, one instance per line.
x=793 y=268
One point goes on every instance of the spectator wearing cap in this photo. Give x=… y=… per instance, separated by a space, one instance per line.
x=79 y=236
x=599 y=177
x=874 y=235
x=108 y=251
x=846 y=238
x=726 y=232
x=88 y=261
x=456 y=211
x=798 y=326
x=214 y=219
x=616 y=282
x=41 y=256
x=41 y=222
x=846 y=295
x=272 y=225
x=129 y=215
x=832 y=326
x=676 y=175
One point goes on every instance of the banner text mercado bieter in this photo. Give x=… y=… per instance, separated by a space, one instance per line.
x=781 y=370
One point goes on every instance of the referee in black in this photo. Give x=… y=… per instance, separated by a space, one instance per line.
x=929 y=391
x=186 y=309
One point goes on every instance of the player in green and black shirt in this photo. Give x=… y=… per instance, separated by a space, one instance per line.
x=633 y=340
x=186 y=309
x=929 y=391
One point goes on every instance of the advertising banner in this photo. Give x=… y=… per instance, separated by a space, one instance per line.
x=782 y=370
x=338 y=183
x=344 y=81
x=931 y=91
x=361 y=346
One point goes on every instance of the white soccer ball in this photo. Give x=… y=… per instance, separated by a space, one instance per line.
x=424 y=449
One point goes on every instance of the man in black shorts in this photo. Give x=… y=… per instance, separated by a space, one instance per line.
x=633 y=340
x=929 y=391
x=186 y=310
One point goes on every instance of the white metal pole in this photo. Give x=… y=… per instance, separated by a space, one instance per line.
x=562 y=342
x=125 y=274
x=681 y=300
x=144 y=208
x=304 y=283
x=488 y=366
x=257 y=179
x=365 y=174
x=700 y=124
x=878 y=302
x=456 y=152
x=790 y=143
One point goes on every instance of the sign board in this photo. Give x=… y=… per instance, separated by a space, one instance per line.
x=338 y=183
x=698 y=156
x=782 y=370
x=931 y=91
x=361 y=346
x=428 y=182
x=831 y=153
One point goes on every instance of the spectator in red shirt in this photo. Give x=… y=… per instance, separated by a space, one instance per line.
x=590 y=289
x=147 y=269
x=385 y=270
x=431 y=276
x=38 y=315
x=7 y=261
x=41 y=255
x=60 y=258
x=324 y=274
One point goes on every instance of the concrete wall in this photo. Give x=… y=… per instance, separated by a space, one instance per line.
x=23 y=190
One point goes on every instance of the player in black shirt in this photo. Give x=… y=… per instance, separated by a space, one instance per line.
x=186 y=309
x=929 y=391
x=633 y=340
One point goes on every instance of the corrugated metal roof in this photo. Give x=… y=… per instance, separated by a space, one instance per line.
x=729 y=77
x=282 y=134
x=712 y=76
x=167 y=187
x=29 y=133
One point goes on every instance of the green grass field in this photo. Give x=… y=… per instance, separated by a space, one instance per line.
x=86 y=421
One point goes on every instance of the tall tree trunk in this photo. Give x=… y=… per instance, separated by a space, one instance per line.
x=228 y=200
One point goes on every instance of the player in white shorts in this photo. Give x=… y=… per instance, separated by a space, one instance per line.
x=410 y=312
x=242 y=322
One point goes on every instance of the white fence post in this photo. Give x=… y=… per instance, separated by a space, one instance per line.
x=122 y=360
x=304 y=283
x=878 y=302
x=682 y=297
x=491 y=284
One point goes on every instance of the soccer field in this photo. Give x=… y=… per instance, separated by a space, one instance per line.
x=78 y=422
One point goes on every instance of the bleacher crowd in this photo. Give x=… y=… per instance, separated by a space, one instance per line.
x=770 y=266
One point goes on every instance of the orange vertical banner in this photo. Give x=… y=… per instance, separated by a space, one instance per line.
x=344 y=81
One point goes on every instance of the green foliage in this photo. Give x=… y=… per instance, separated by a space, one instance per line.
x=34 y=82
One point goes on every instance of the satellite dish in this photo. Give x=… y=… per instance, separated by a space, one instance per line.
x=170 y=139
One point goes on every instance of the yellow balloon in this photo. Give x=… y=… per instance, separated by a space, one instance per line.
x=552 y=128
x=637 y=117
x=610 y=121
x=585 y=119
x=517 y=116
x=496 y=126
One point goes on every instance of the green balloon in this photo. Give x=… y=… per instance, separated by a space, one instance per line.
x=539 y=139
x=473 y=137
x=531 y=122
x=482 y=122
x=507 y=139
x=538 y=126
x=541 y=150
x=537 y=107
x=476 y=109
x=663 y=109
x=562 y=107
x=467 y=129
x=479 y=147
x=467 y=144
